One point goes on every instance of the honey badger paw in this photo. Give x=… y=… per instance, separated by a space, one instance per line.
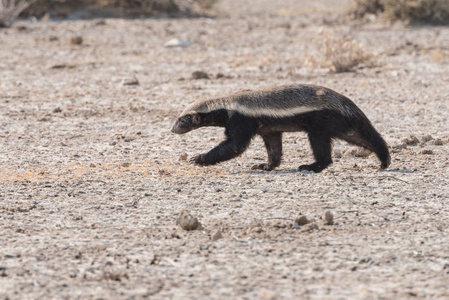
x=263 y=167
x=313 y=167
x=198 y=160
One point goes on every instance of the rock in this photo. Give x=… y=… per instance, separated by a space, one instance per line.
x=400 y=146
x=76 y=40
x=186 y=221
x=302 y=220
x=59 y=66
x=256 y=226
x=358 y=152
x=130 y=81
x=177 y=43
x=328 y=218
x=217 y=235
x=100 y=22
x=438 y=142
x=426 y=151
x=426 y=138
x=200 y=75
x=311 y=227
x=183 y=157
x=338 y=154
x=411 y=140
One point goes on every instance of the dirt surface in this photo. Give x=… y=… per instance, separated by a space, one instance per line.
x=93 y=182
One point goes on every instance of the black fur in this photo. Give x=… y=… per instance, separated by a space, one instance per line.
x=322 y=126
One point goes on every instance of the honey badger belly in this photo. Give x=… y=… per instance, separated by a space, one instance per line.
x=322 y=113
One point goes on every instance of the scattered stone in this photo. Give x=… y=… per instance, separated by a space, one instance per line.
x=130 y=81
x=302 y=220
x=426 y=151
x=338 y=154
x=21 y=28
x=200 y=75
x=186 y=221
x=328 y=218
x=59 y=66
x=366 y=260
x=438 y=142
x=426 y=138
x=183 y=157
x=100 y=22
x=76 y=40
x=311 y=227
x=360 y=152
x=400 y=146
x=57 y=110
x=411 y=140
x=256 y=226
x=177 y=43
x=217 y=235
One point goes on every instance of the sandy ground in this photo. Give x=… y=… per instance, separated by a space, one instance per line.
x=92 y=182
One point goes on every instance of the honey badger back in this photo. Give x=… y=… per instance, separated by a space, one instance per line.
x=322 y=113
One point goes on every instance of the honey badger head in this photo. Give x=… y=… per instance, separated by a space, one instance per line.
x=186 y=123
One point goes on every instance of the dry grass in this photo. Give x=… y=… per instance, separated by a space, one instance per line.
x=414 y=11
x=340 y=54
x=10 y=10
x=118 y=8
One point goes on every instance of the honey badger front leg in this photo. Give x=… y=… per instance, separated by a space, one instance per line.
x=239 y=132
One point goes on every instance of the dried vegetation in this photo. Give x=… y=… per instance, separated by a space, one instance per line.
x=340 y=54
x=414 y=11
x=128 y=8
x=10 y=10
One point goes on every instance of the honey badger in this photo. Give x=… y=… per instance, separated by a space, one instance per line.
x=321 y=112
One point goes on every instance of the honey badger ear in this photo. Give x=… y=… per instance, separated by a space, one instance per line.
x=196 y=119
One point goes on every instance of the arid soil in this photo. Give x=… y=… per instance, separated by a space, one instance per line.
x=92 y=180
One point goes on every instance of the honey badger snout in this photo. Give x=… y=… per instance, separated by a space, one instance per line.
x=186 y=123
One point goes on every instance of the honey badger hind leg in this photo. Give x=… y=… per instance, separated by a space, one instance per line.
x=321 y=148
x=273 y=144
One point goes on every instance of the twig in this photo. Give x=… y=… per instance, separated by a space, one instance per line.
x=383 y=177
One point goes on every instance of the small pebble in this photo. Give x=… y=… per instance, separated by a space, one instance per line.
x=438 y=142
x=217 y=235
x=186 y=221
x=426 y=151
x=183 y=157
x=328 y=218
x=426 y=138
x=76 y=40
x=200 y=75
x=360 y=152
x=177 y=43
x=411 y=140
x=338 y=154
x=302 y=220
x=130 y=81
x=311 y=227
x=400 y=146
